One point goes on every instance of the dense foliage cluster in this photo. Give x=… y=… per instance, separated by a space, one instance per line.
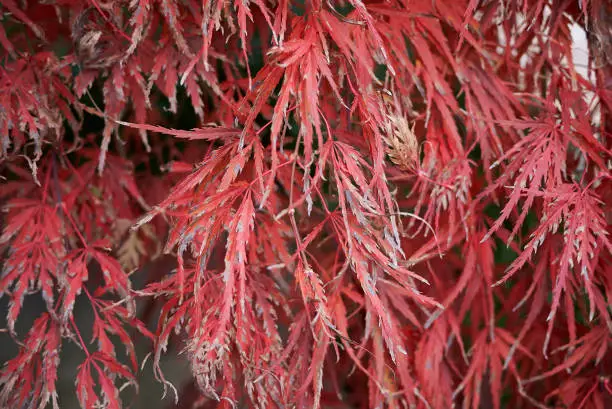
x=371 y=204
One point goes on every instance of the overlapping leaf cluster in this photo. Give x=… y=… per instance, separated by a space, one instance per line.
x=384 y=203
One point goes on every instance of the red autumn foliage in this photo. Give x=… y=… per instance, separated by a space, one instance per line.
x=399 y=203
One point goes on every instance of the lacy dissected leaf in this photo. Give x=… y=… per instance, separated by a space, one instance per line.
x=584 y=236
x=32 y=239
x=336 y=185
x=35 y=368
x=106 y=370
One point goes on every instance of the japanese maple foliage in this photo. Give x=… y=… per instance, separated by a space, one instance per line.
x=394 y=203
